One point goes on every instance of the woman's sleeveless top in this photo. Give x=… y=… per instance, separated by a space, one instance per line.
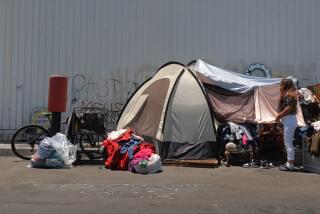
x=287 y=101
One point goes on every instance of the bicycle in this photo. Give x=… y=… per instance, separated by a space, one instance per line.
x=86 y=128
x=26 y=140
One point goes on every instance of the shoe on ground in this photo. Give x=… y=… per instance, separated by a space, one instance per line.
x=284 y=167
x=266 y=165
x=246 y=165
x=225 y=164
x=250 y=165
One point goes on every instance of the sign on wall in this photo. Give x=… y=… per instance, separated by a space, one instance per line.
x=259 y=70
x=38 y=118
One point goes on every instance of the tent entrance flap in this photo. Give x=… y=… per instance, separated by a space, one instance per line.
x=136 y=109
x=188 y=117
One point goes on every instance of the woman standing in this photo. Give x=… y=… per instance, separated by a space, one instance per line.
x=287 y=110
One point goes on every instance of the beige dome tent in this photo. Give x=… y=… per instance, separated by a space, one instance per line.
x=172 y=111
x=177 y=108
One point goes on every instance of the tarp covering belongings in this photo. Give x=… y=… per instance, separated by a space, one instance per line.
x=177 y=108
x=241 y=98
x=230 y=80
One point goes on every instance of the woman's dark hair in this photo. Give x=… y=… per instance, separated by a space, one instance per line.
x=285 y=86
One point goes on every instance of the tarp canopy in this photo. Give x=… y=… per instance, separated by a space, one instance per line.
x=230 y=80
x=240 y=98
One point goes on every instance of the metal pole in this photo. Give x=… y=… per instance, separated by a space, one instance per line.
x=55 y=123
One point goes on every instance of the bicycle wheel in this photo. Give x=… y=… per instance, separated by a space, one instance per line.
x=26 y=140
x=89 y=145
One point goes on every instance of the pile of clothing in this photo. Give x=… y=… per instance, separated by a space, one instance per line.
x=244 y=136
x=124 y=150
x=235 y=139
x=309 y=104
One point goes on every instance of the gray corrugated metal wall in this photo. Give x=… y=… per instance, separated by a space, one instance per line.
x=109 y=46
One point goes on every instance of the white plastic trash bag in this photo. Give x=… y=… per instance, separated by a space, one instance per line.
x=54 y=152
x=151 y=166
x=155 y=164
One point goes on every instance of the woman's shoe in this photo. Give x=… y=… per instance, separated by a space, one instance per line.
x=284 y=167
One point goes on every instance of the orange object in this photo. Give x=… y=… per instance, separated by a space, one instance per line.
x=57 y=98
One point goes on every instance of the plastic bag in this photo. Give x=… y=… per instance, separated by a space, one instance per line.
x=54 y=152
x=155 y=164
x=150 y=166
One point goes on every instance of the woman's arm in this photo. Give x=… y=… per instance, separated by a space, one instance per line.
x=291 y=105
x=283 y=113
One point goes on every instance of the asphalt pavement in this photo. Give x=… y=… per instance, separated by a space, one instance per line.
x=89 y=188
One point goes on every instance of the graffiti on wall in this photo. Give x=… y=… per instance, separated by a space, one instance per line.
x=94 y=92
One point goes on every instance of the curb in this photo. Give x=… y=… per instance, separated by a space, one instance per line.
x=5 y=150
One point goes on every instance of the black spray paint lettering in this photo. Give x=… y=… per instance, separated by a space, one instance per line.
x=78 y=83
x=110 y=107
x=132 y=88
x=113 y=111
x=89 y=89
x=115 y=84
x=87 y=92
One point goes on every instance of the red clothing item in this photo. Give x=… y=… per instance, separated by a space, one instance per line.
x=113 y=157
x=114 y=160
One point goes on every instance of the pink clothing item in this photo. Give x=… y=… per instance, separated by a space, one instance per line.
x=244 y=139
x=144 y=154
